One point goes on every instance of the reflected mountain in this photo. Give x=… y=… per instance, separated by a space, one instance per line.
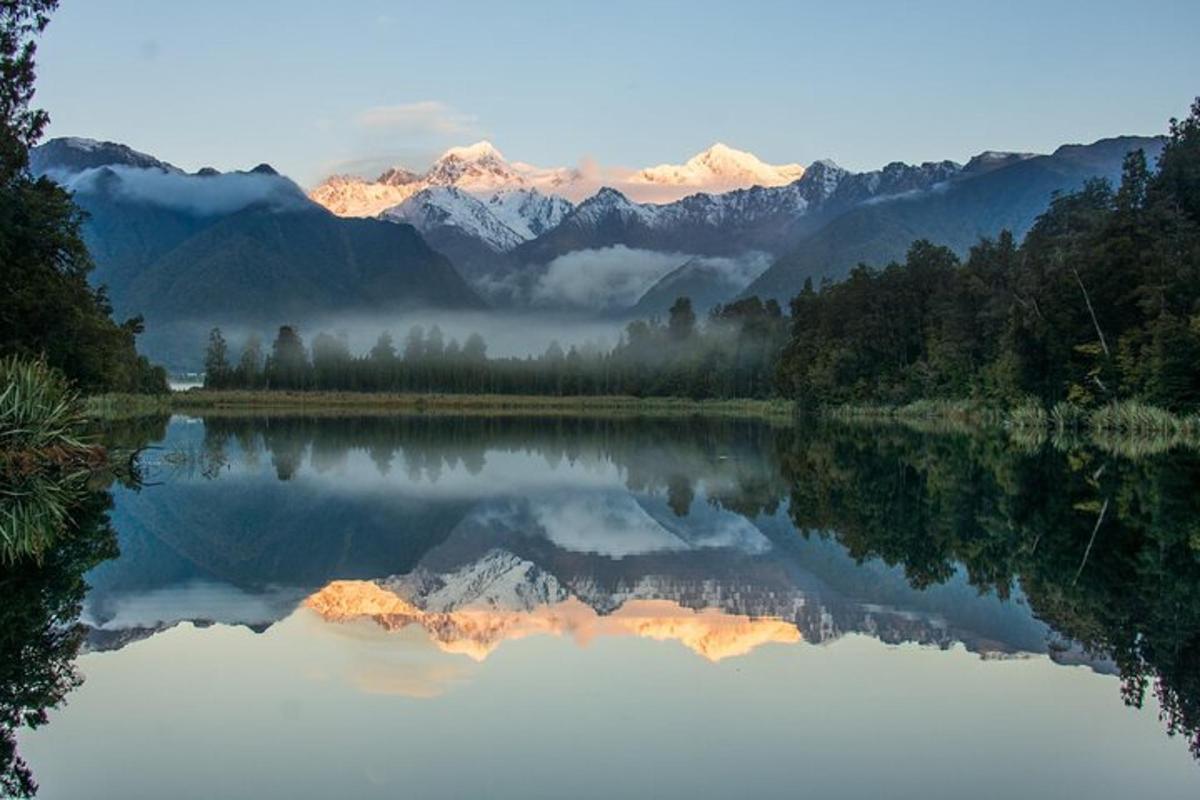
x=720 y=535
x=514 y=517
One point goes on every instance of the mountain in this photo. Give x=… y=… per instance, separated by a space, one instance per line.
x=760 y=218
x=477 y=169
x=72 y=154
x=267 y=264
x=707 y=282
x=720 y=168
x=482 y=170
x=190 y=250
x=994 y=192
x=476 y=233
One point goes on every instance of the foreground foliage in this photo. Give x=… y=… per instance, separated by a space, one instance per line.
x=44 y=461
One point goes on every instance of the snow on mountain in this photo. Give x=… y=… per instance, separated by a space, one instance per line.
x=479 y=169
x=450 y=206
x=719 y=168
x=502 y=221
x=528 y=212
x=349 y=196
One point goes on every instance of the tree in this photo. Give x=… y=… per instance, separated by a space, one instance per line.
x=474 y=349
x=288 y=365
x=49 y=310
x=216 y=362
x=20 y=126
x=414 y=344
x=383 y=353
x=682 y=320
x=249 y=369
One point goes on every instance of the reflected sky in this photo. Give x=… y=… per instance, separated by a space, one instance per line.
x=542 y=608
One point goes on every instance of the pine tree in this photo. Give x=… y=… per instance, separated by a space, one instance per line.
x=249 y=369
x=216 y=361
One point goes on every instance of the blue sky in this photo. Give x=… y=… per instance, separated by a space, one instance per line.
x=317 y=87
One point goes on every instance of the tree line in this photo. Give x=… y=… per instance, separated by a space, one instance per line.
x=1100 y=302
x=733 y=353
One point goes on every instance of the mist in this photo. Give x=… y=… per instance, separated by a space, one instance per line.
x=198 y=194
x=507 y=334
x=608 y=278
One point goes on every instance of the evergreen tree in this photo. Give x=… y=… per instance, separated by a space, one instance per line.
x=249 y=369
x=216 y=361
x=682 y=320
x=288 y=366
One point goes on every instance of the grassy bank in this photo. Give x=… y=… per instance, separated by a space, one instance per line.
x=1128 y=427
x=200 y=400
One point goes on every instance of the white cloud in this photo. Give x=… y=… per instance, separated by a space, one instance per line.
x=212 y=194
x=423 y=118
x=605 y=278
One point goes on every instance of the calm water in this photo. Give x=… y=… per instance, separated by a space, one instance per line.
x=431 y=607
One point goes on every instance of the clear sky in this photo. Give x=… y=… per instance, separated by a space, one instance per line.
x=316 y=87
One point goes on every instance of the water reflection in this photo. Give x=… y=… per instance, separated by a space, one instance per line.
x=719 y=536
x=524 y=522
x=42 y=594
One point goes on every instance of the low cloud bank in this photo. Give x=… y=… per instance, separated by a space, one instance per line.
x=609 y=278
x=199 y=194
x=615 y=278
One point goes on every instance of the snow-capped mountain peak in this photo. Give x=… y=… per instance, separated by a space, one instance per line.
x=476 y=168
x=478 y=151
x=721 y=166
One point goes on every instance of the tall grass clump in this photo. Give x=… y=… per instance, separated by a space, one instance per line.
x=44 y=461
x=38 y=408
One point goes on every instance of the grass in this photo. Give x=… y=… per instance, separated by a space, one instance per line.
x=932 y=416
x=1127 y=428
x=45 y=461
x=1124 y=428
x=38 y=409
x=490 y=404
x=125 y=406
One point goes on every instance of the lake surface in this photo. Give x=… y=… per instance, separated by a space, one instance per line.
x=313 y=607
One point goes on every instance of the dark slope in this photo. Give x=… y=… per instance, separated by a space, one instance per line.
x=981 y=203
x=262 y=263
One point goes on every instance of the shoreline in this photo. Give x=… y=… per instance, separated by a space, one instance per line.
x=322 y=402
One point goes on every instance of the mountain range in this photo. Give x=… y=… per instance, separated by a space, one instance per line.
x=811 y=222
x=188 y=250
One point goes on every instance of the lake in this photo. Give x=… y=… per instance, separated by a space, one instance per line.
x=313 y=606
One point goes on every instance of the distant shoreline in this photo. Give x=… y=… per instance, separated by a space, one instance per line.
x=201 y=400
x=1117 y=425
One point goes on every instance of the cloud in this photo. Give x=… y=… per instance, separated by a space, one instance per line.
x=610 y=524
x=736 y=272
x=424 y=118
x=603 y=279
x=209 y=194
